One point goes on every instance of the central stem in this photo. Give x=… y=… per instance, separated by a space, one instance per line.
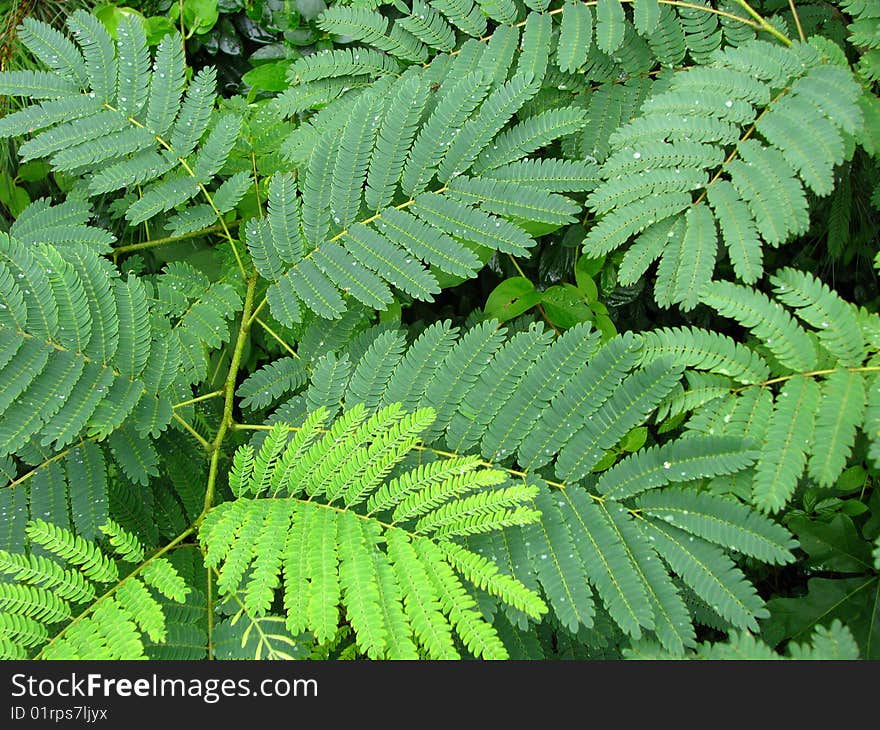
x=229 y=396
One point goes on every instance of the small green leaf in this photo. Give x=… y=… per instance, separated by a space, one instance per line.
x=268 y=76
x=590 y=266
x=584 y=280
x=605 y=326
x=852 y=480
x=13 y=196
x=156 y=28
x=606 y=462
x=565 y=305
x=635 y=439
x=834 y=545
x=511 y=298
x=33 y=171
x=199 y=16
x=110 y=15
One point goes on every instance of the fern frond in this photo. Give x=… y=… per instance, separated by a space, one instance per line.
x=463 y=14
x=133 y=65
x=111 y=627
x=682 y=460
x=767 y=320
x=637 y=395
x=535 y=45
x=575 y=36
x=816 y=304
x=528 y=136
x=840 y=411
x=126 y=545
x=608 y=566
x=721 y=521
x=410 y=586
x=440 y=129
x=341 y=62
x=372 y=27
x=268 y=384
x=710 y=573
x=42 y=572
x=429 y=26
x=789 y=434
x=514 y=200
x=73 y=549
x=395 y=135
x=706 y=350
x=610 y=24
x=116 y=124
x=757 y=193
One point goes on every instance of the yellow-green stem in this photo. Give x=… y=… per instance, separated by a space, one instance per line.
x=206 y=445
x=277 y=337
x=131 y=247
x=809 y=374
x=229 y=396
x=764 y=25
x=198 y=399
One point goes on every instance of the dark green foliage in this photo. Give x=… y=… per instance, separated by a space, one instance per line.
x=442 y=328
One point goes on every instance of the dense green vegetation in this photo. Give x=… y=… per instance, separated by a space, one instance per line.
x=451 y=328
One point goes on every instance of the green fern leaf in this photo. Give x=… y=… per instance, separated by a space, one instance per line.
x=495 y=387
x=528 y=136
x=608 y=422
x=408 y=592
x=98 y=51
x=767 y=320
x=126 y=545
x=341 y=62
x=381 y=254
x=53 y=49
x=610 y=24
x=768 y=184
x=473 y=137
x=816 y=304
x=708 y=572
x=328 y=382
x=429 y=26
x=268 y=384
x=721 y=521
x=164 y=96
x=687 y=267
x=470 y=224
x=840 y=412
x=552 y=553
x=73 y=549
x=463 y=14
x=133 y=65
x=393 y=141
x=646 y=16
x=35 y=84
x=575 y=36
x=350 y=169
x=535 y=46
x=513 y=200
x=706 y=350
x=440 y=129
x=608 y=566
x=672 y=623
x=738 y=230
x=681 y=460
x=789 y=433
